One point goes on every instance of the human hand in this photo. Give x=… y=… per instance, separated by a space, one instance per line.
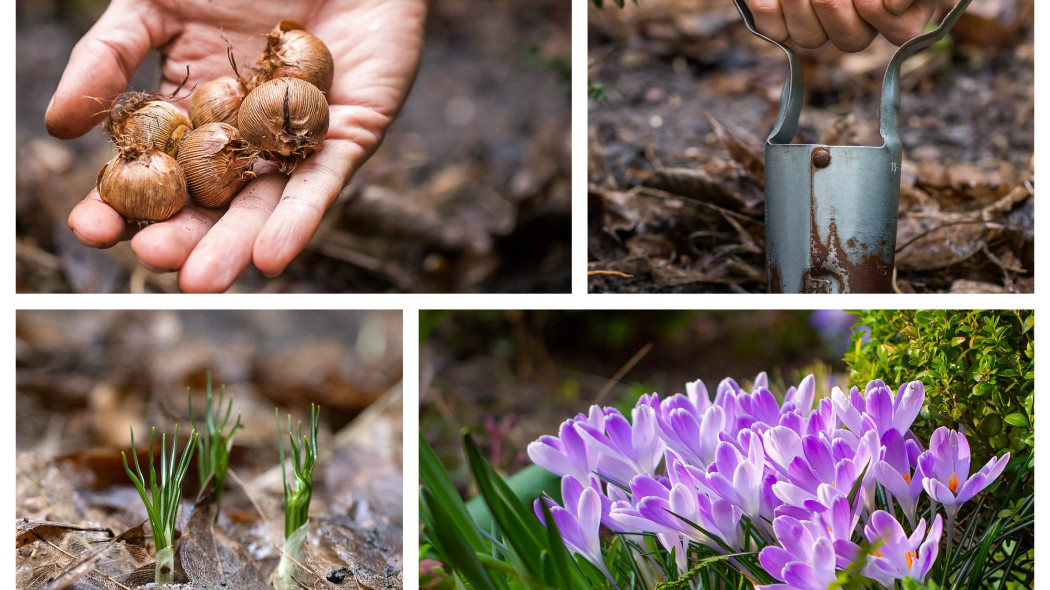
x=376 y=45
x=850 y=24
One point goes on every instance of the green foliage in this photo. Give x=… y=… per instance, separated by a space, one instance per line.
x=978 y=368
x=213 y=452
x=166 y=493
x=304 y=456
x=515 y=552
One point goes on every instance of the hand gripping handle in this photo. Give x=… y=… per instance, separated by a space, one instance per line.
x=791 y=96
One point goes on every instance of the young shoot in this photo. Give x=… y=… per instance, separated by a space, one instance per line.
x=304 y=455
x=213 y=452
x=162 y=504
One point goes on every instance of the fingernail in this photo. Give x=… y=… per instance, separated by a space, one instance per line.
x=87 y=242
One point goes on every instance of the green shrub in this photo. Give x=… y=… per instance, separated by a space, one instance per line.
x=978 y=368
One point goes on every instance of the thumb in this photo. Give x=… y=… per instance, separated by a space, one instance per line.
x=897 y=7
x=99 y=68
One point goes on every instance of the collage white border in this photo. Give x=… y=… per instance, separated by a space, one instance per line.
x=411 y=304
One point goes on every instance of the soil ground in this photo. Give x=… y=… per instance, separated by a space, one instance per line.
x=83 y=377
x=683 y=96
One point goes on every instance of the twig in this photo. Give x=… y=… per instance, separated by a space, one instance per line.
x=623 y=371
x=248 y=493
x=614 y=273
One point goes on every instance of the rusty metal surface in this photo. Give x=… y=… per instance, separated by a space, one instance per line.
x=831 y=229
x=831 y=211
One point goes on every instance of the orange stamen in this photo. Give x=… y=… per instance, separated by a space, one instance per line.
x=878 y=554
x=907 y=479
x=953 y=482
x=909 y=558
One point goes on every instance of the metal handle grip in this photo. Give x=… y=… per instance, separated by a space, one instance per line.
x=791 y=96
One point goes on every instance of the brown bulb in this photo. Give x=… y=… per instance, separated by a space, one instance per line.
x=217 y=101
x=291 y=51
x=138 y=120
x=217 y=163
x=143 y=185
x=286 y=118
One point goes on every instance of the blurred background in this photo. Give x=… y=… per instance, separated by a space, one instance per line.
x=683 y=96
x=469 y=192
x=84 y=376
x=511 y=376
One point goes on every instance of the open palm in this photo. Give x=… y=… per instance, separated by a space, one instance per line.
x=376 y=46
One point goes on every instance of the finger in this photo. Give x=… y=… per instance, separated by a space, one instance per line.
x=897 y=28
x=802 y=23
x=845 y=28
x=896 y=6
x=96 y=224
x=769 y=19
x=309 y=192
x=164 y=246
x=99 y=68
x=226 y=250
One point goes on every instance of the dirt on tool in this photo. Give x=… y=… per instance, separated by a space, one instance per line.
x=468 y=193
x=83 y=377
x=682 y=98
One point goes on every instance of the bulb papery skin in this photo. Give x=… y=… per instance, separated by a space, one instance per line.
x=286 y=119
x=292 y=51
x=217 y=101
x=217 y=163
x=138 y=123
x=143 y=186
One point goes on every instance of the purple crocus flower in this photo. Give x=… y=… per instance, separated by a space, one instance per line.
x=578 y=522
x=806 y=561
x=692 y=434
x=566 y=454
x=738 y=479
x=878 y=408
x=899 y=556
x=946 y=470
x=626 y=449
x=895 y=471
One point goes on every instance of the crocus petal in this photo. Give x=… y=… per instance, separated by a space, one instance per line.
x=907 y=405
x=590 y=518
x=697 y=393
x=845 y=410
x=569 y=528
x=803 y=396
x=982 y=478
x=553 y=459
x=879 y=407
x=938 y=491
x=774 y=559
x=782 y=445
x=962 y=455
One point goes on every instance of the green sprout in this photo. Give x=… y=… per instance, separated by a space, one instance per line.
x=297 y=501
x=164 y=507
x=213 y=452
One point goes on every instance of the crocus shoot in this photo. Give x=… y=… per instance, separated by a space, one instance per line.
x=162 y=504
x=213 y=452
x=297 y=497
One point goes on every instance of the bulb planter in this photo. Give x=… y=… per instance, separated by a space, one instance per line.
x=831 y=211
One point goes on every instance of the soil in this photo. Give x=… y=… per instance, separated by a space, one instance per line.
x=683 y=96
x=83 y=377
